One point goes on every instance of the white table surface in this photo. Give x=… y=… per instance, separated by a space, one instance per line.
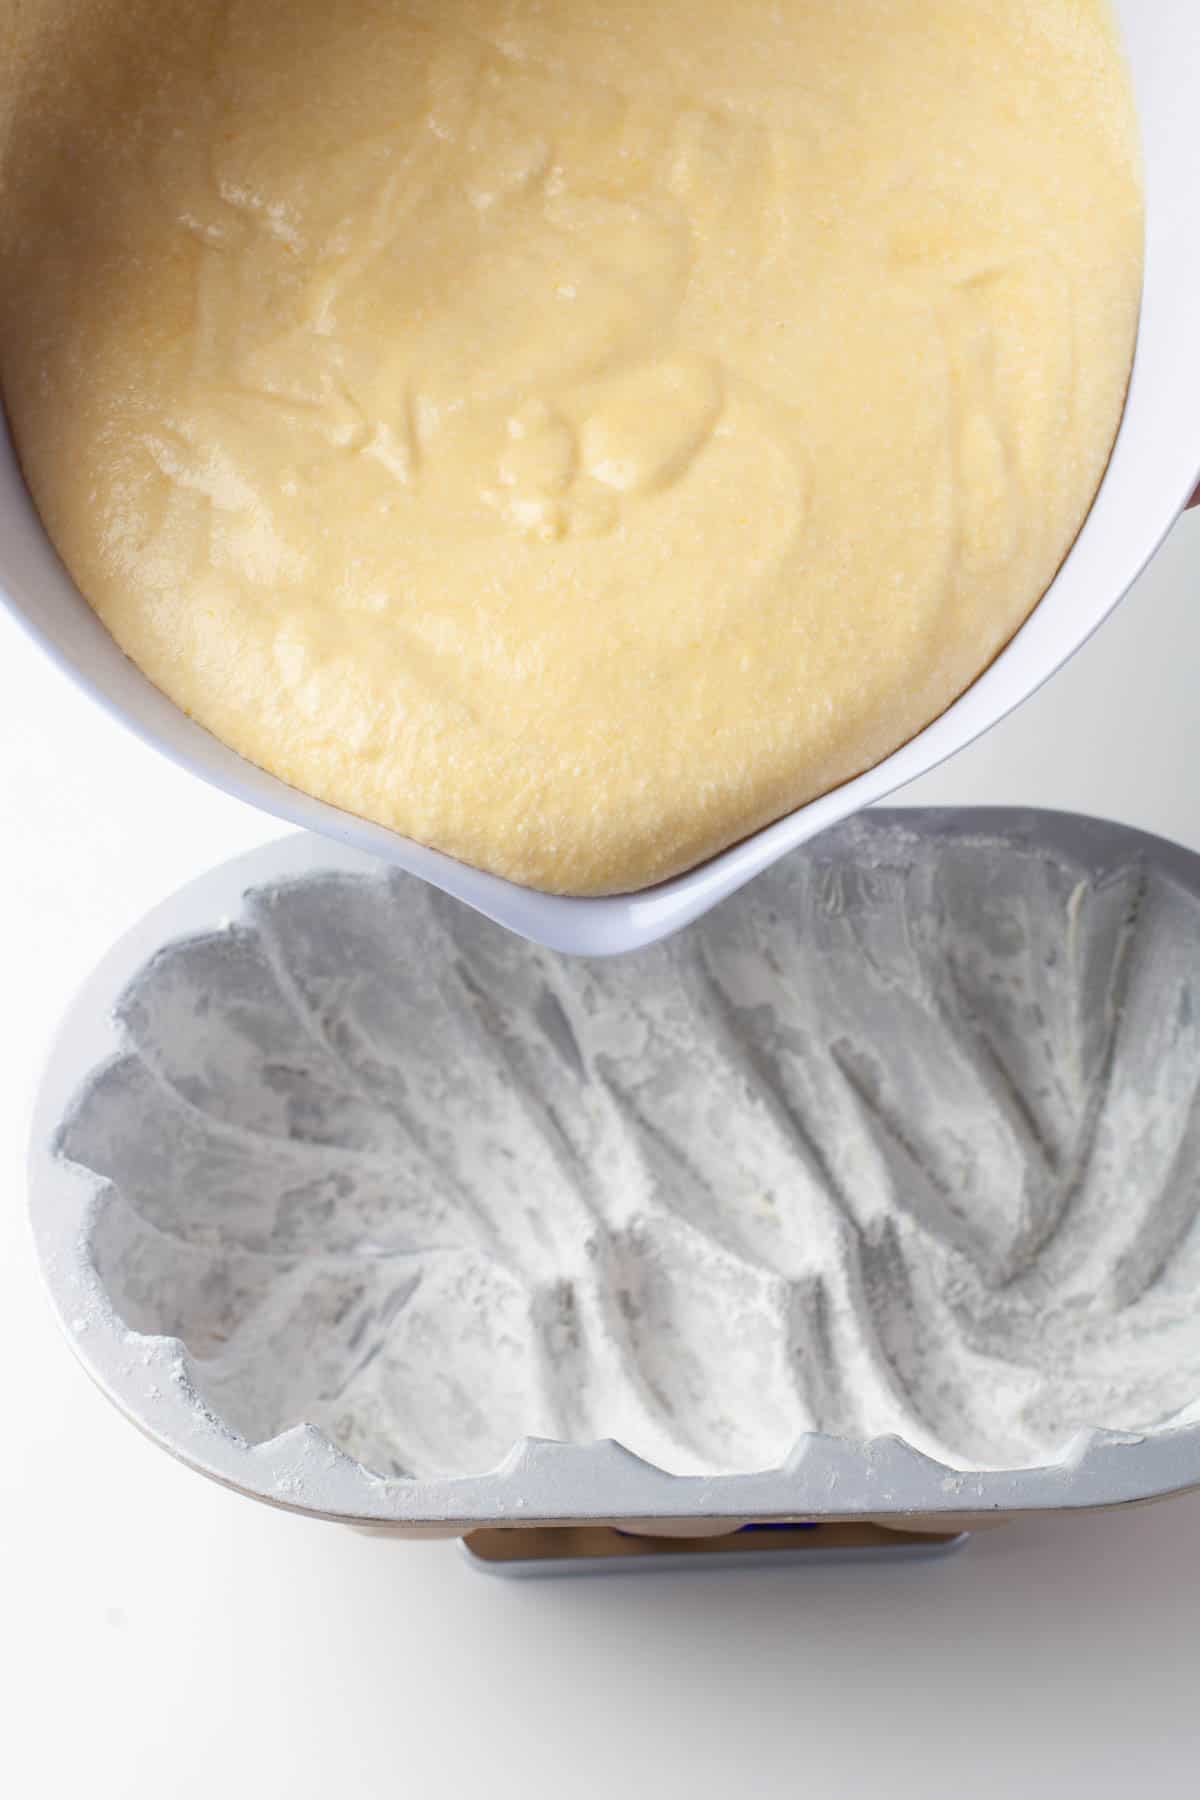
x=162 y=1637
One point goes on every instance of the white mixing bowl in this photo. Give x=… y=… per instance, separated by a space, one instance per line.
x=1154 y=469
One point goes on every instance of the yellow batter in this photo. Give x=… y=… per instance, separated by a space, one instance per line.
x=572 y=432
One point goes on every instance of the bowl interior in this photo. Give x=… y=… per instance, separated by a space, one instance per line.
x=1156 y=464
x=902 y=1142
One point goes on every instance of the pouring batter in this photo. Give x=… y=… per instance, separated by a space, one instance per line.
x=572 y=435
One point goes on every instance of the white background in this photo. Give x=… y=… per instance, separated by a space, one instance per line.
x=160 y=1636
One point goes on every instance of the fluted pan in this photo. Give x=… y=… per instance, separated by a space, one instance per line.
x=347 y=1193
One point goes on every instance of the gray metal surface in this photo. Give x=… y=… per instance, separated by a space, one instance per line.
x=538 y=1555
x=168 y=1389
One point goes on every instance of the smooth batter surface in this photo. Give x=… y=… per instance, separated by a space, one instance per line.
x=572 y=434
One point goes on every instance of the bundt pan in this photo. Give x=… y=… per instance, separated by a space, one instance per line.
x=874 y=1196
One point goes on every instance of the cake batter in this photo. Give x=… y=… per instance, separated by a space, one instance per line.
x=571 y=434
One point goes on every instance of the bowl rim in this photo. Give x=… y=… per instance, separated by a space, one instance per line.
x=1154 y=469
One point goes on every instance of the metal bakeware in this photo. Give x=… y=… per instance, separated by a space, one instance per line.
x=1086 y=935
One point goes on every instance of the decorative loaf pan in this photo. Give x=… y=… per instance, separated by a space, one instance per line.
x=875 y=1195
